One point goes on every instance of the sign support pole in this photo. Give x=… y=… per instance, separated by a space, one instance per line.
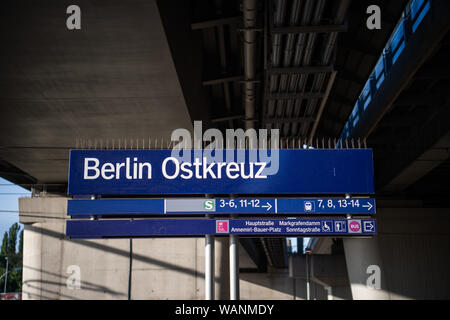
x=209 y=267
x=234 y=267
x=308 y=289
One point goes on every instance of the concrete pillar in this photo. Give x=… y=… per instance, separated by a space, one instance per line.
x=31 y=287
x=364 y=263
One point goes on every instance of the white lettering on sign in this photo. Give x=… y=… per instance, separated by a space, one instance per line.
x=88 y=168
x=110 y=171
x=171 y=168
x=132 y=169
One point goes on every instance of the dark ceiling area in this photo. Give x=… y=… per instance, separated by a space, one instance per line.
x=294 y=62
x=411 y=142
x=357 y=52
x=108 y=81
x=406 y=115
x=312 y=60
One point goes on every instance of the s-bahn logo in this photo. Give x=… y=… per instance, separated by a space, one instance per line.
x=208 y=205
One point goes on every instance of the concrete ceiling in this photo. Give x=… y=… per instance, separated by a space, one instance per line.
x=113 y=79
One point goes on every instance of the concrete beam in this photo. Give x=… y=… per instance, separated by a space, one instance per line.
x=119 y=69
x=426 y=162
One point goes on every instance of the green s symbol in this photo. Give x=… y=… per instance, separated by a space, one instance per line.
x=208 y=205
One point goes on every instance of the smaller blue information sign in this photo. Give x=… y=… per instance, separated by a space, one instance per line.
x=201 y=227
x=203 y=206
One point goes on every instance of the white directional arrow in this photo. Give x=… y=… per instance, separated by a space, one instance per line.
x=368 y=206
x=369 y=226
x=268 y=206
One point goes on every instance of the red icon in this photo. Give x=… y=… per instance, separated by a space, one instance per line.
x=222 y=226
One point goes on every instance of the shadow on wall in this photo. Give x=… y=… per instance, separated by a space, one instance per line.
x=62 y=280
x=414 y=246
x=254 y=285
x=415 y=262
x=295 y=288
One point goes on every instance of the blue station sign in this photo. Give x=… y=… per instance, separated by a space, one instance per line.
x=158 y=172
x=220 y=227
x=243 y=206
